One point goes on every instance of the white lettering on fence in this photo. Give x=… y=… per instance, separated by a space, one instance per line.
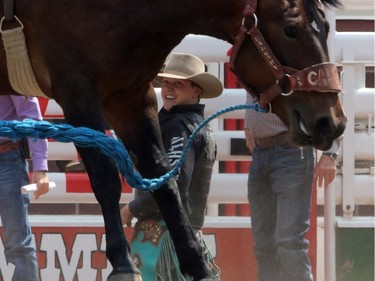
x=108 y=268
x=56 y=250
x=73 y=262
x=6 y=269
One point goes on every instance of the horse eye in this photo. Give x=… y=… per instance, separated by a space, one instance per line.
x=291 y=31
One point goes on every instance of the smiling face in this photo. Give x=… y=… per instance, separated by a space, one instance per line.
x=179 y=92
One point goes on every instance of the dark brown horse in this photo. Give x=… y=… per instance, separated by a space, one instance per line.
x=97 y=59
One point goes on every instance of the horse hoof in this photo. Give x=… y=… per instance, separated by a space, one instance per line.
x=125 y=277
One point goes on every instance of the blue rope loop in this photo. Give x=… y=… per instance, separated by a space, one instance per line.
x=85 y=137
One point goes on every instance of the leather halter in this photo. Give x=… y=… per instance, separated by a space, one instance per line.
x=321 y=77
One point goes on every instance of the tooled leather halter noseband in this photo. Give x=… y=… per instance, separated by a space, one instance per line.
x=321 y=77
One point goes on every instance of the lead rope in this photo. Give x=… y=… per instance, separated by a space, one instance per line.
x=85 y=137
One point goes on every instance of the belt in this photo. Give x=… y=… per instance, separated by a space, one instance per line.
x=8 y=146
x=268 y=142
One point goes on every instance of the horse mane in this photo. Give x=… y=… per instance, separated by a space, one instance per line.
x=332 y=3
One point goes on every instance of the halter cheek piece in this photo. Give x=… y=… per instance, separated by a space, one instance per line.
x=322 y=77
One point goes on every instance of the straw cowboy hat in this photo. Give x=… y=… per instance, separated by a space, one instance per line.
x=190 y=67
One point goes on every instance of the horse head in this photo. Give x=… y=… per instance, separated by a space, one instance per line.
x=290 y=72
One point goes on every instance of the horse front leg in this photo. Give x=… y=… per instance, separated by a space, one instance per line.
x=188 y=249
x=106 y=185
x=81 y=108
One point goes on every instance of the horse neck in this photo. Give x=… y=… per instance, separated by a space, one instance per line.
x=220 y=19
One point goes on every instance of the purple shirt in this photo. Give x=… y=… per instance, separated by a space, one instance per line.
x=20 y=108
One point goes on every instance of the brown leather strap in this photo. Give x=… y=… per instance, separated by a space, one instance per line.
x=268 y=142
x=8 y=146
x=250 y=8
x=266 y=52
x=269 y=95
x=240 y=38
x=249 y=28
x=249 y=11
x=322 y=77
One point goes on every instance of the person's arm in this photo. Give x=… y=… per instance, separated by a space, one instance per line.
x=325 y=169
x=143 y=205
x=28 y=108
x=174 y=141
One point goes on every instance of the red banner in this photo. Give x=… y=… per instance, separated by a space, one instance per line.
x=78 y=253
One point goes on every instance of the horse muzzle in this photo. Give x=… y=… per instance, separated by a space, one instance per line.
x=320 y=131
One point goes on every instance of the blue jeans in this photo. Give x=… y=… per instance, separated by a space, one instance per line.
x=279 y=192
x=14 y=217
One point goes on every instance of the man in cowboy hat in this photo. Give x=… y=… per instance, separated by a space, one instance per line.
x=184 y=83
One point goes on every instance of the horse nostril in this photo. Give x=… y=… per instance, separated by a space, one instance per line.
x=324 y=126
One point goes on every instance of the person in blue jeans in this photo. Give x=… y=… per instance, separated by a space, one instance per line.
x=279 y=192
x=14 y=173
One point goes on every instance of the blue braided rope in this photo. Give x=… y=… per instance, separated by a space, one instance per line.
x=85 y=137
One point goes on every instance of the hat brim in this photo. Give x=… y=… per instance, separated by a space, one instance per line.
x=211 y=86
